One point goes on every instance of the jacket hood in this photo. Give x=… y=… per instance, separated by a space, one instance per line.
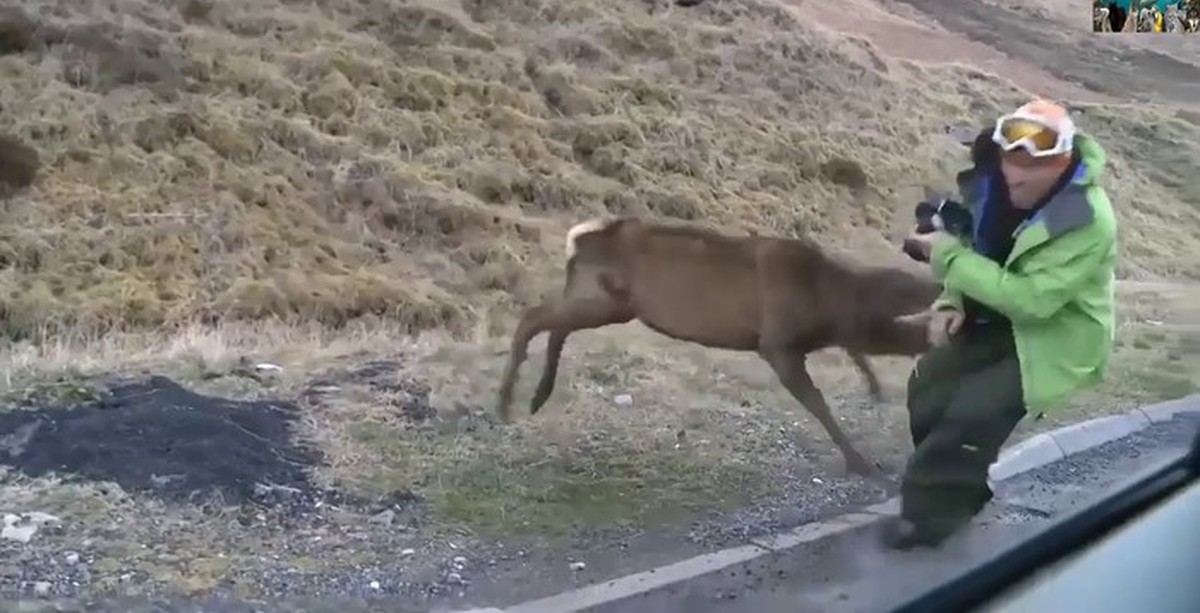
x=1092 y=159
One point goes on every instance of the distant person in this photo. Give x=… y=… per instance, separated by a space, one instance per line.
x=1025 y=318
x=1117 y=15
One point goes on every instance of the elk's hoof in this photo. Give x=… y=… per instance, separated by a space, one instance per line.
x=505 y=416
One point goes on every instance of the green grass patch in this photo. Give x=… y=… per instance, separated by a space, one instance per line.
x=512 y=485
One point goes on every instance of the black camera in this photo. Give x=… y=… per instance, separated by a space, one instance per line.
x=956 y=220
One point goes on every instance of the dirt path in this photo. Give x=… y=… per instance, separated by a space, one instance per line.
x=904 y=32
x=1100 y=64
x=1077 y=17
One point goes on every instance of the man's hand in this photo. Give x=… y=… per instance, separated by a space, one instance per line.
x=923 y=243
x=943 y=324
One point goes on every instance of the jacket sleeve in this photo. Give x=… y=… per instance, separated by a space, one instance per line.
x=1048 y=281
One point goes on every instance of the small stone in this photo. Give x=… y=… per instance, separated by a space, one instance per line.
x=454 y=578
x=623 y=400
x=460 y=560
x=72 y=558
x=375 y=585
x=41 y=588
x=268 y=367
x=578 y=566
x=817 y=480
x=408 y=552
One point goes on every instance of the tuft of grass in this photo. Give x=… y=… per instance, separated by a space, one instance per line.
x=19 y=163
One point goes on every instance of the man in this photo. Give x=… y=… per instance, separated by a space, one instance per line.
x=1025 y=319
x=1117 y=14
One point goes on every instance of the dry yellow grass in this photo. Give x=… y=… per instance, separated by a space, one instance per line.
x=319 y=180
x=419 y=160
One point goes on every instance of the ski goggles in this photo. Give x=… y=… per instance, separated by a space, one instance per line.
x=1037 y=136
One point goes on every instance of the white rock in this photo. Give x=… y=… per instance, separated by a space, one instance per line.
x=623 y=400
x=374 y=585
x=408 y=552
x=268 y=367
x=578 y=566
x=20 y=533
x=40 y=518
x=72 y=558
x=41 y=588
x=460 y=560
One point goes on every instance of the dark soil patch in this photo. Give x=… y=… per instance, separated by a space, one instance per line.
x=406 y=397
x=157 y=438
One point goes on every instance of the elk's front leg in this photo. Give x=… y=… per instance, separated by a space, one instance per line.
x=791 y=369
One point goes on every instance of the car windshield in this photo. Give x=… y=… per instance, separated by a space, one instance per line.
x=275 y=275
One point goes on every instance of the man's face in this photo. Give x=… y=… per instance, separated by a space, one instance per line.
x=1029 y=179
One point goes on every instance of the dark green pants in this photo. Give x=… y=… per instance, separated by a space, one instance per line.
x=964 y=400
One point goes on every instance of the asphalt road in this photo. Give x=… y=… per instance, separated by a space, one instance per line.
x=853 y=574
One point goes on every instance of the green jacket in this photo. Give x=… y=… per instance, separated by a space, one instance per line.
x=1057 y=285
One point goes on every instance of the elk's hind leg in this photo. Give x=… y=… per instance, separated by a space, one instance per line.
x=789 y=366
x=572 y=316
x=534 y=321
x=868 y=372
x=561 y=318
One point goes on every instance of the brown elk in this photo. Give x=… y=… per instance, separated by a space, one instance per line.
x=782 y=298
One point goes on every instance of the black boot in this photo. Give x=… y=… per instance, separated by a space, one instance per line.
x=904 y=534
x=931 y=515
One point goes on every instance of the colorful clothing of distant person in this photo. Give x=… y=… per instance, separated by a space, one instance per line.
x=1162 y=5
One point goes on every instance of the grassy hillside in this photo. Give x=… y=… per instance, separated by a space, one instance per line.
x=420 y=159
